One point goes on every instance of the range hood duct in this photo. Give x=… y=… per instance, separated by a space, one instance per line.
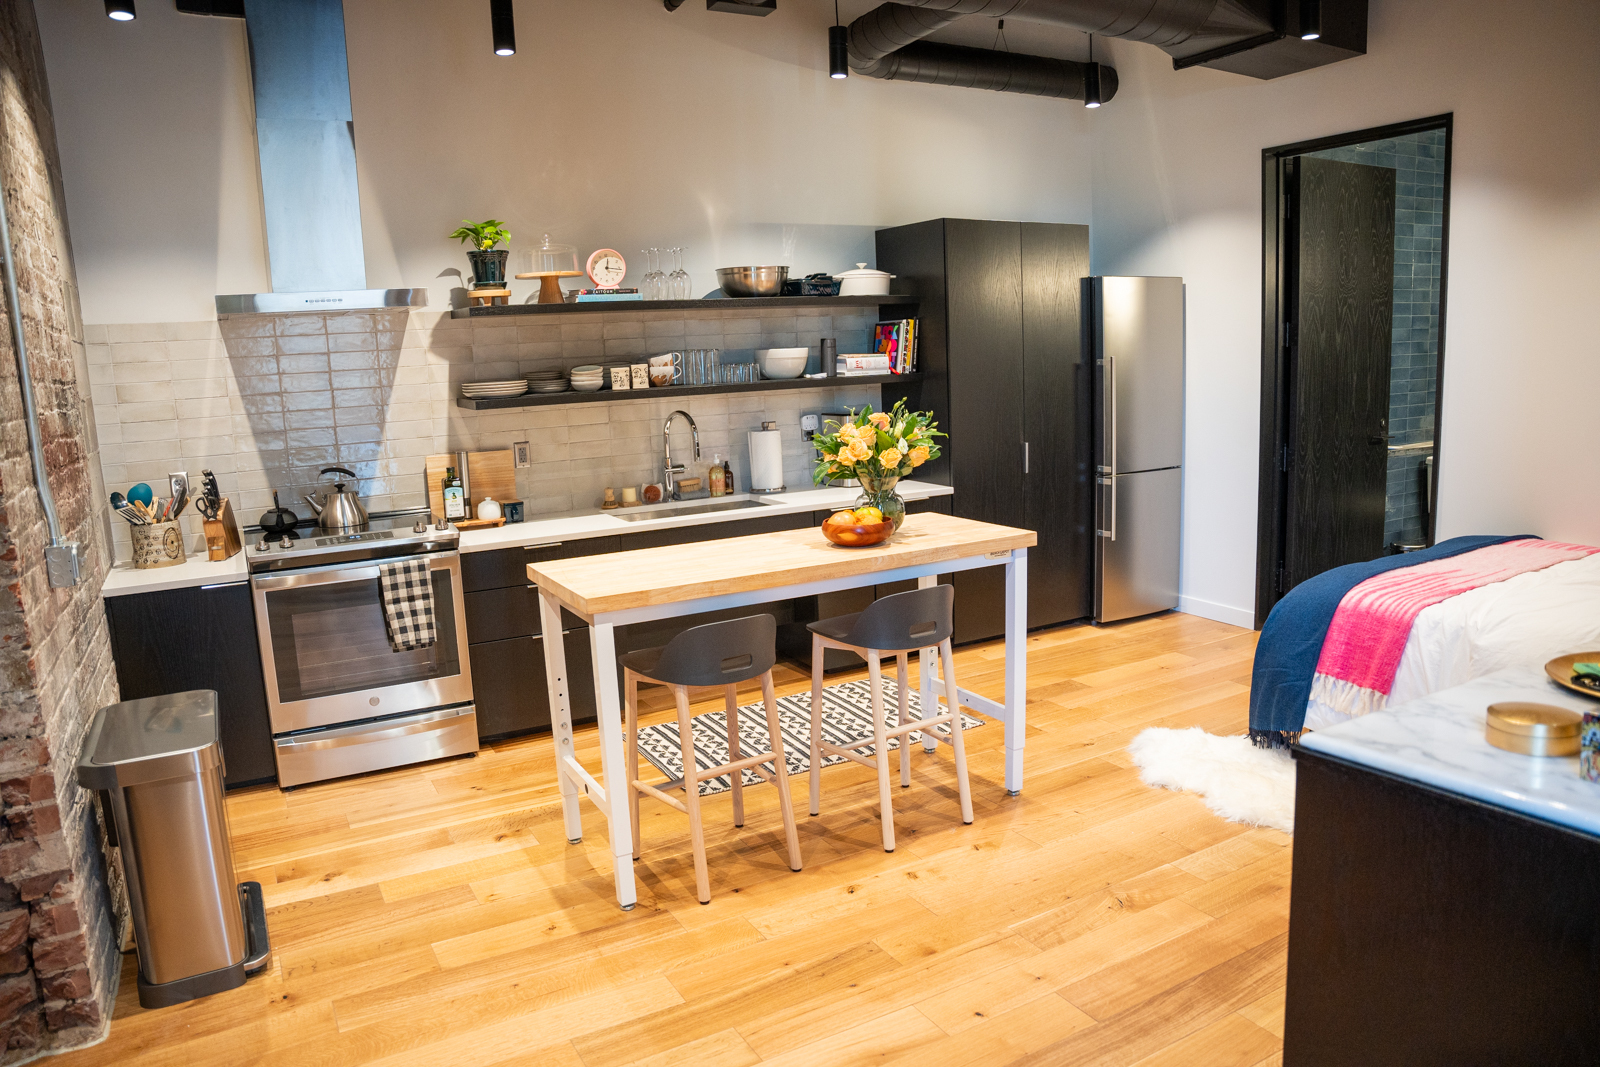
x=1243 y=36
x=305 y=139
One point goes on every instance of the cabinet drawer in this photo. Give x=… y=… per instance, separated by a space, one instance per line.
x=715 y=531
x=498 y=614
x=508 y=684
x=506 y=567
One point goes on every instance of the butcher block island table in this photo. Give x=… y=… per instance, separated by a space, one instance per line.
x=619 y=588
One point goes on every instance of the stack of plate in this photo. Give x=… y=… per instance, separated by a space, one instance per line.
x=588 y=379
x=498 y=390
x=549 y=380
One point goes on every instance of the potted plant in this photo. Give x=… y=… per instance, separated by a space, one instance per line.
x=878 y=448
x=488 y=262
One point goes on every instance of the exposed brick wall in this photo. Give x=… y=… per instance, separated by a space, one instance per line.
x=58 y=920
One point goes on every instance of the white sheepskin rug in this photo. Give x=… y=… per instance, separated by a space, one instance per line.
x=1237 y=780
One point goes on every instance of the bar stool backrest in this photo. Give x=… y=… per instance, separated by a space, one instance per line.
x=719 y=653
x=918 y=618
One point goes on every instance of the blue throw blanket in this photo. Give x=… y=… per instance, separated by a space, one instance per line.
x=1291 y=640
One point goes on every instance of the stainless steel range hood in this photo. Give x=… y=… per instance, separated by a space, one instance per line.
x=305 y=139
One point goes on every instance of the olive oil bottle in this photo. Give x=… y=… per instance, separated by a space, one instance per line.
x=455 y=497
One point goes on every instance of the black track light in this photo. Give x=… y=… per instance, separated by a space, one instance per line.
x=120 y=10
x=504 y=27
x=838 y=47
x=1091 y=79
x=1310 y=20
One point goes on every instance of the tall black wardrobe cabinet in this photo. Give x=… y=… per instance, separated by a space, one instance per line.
x=1003 y=370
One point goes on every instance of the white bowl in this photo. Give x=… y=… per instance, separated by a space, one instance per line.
x=782 y=362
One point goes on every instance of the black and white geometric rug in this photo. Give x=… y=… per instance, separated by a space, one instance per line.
x=846 y=716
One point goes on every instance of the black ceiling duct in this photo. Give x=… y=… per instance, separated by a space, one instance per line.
x=1242 y=36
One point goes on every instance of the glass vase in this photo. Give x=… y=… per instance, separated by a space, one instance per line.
x=878 y=491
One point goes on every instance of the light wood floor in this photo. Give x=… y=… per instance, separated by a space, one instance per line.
x=437 y=916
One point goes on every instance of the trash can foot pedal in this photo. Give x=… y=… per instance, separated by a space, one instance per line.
x=255 y=927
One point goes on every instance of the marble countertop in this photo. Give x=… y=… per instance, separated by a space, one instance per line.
x=1438 y=741
x=197 y=570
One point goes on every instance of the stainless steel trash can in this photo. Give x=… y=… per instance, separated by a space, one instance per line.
x=158 y=765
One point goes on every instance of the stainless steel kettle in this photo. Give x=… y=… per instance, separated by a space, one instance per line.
x=339 y=510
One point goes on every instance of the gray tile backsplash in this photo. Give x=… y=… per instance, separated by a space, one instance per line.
x=266 y=401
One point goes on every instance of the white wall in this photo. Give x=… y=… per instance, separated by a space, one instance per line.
x=1177 y=190
x=616 y=124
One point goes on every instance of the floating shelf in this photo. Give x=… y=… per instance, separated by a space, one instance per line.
x=672 y=392
x=723 y=304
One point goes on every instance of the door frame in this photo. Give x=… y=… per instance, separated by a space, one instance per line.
x=1277 y=259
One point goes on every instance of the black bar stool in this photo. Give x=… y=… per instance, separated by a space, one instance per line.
x=901 y=624
x=715 y=654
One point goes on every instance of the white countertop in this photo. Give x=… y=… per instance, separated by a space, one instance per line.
x=197 y=570
x=1438 y=741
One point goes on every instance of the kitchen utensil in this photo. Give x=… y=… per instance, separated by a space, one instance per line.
x=279 y=522
x=857 y=534
x=1560 y=671
x=782 y=362
x=340 y=509
x=222 y=532
x=819 y=285
x=124 y=507
x=752 y=281
x=863 y=282
x=141 y=494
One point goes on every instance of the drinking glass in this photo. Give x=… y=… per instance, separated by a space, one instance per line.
x=679 y=277
x=713 y=366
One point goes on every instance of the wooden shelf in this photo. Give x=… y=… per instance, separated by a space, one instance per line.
x=724 y=304
x=672 y=392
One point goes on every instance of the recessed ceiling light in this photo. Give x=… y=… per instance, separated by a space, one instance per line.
x=120 y=10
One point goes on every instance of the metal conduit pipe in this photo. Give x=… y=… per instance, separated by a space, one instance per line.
x=61 y=557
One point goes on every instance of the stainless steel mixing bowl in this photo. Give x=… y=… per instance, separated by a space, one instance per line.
x=752 y=281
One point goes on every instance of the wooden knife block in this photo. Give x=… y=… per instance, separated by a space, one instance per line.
x=222 y=534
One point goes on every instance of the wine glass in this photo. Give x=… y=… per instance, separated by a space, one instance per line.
x=679 y=277
x=651 y=284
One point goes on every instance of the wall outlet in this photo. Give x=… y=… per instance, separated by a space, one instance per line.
x=521 y=454
x=808 y=424
x=178 y=481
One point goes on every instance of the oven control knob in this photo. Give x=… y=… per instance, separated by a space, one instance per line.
x=420 y=527
x=285 y=544
x=263 y=545
x=441 y=525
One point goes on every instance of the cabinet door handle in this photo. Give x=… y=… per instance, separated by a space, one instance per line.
x=547 y=544
x=220 y=585
x=1025 y=452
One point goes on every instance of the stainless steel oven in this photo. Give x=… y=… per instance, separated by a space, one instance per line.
x=341 y=700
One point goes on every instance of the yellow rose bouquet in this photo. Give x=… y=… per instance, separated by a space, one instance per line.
x=877 y=448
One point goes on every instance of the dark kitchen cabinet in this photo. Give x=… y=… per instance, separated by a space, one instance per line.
x=1004 y=371
x=199 y=638
x=509 y=689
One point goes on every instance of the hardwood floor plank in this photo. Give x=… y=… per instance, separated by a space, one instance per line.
x=892 y=1036
x=1231 y=1041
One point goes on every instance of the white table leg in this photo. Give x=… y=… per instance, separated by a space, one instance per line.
x=613 y=768
x=930 y=657
x=1016 y=667
x=555 y=674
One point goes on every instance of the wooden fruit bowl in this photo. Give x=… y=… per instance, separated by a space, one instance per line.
x=858 y=535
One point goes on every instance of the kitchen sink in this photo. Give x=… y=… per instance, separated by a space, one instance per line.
x=646 y=514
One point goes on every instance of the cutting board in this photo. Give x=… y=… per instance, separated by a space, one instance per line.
x=493 y=474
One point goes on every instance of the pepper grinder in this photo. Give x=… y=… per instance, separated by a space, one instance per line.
x=465 y=476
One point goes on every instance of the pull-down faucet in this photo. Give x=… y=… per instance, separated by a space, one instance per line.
x=669 y=469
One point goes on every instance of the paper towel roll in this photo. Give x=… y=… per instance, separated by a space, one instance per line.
x=766 y=459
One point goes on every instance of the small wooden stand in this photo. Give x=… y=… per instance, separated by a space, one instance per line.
x=480 y=297
x=222 y=534
x=550 y=284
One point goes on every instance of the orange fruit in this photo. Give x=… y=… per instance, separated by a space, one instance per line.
x=869 y=516
x=842 y=518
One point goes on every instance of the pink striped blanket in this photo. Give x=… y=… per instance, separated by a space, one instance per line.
x=1367 y=637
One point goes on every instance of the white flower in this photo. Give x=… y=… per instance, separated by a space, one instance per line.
x=901 y=445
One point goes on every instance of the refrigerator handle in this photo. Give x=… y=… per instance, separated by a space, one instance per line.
x=1109 y=508
x=1111 y=376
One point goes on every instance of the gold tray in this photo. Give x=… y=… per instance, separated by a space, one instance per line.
x=1560 y=671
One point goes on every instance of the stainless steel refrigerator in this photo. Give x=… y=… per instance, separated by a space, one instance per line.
x=1135 y=329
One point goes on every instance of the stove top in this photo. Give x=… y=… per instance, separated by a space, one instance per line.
x=386 y=538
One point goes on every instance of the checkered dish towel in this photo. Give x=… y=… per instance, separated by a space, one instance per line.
x=407 y=590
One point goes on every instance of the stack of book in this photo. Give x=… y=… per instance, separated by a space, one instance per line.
x=597 y=296
x=895 y=351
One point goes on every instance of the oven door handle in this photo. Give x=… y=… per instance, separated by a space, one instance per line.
x=361 y=735
x=335 y=573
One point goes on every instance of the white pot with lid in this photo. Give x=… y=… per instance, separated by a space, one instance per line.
x=863 y=282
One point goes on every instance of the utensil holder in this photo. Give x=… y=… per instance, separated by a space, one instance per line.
x=159 y=544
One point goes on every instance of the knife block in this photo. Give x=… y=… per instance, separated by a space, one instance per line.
x=222 y=534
